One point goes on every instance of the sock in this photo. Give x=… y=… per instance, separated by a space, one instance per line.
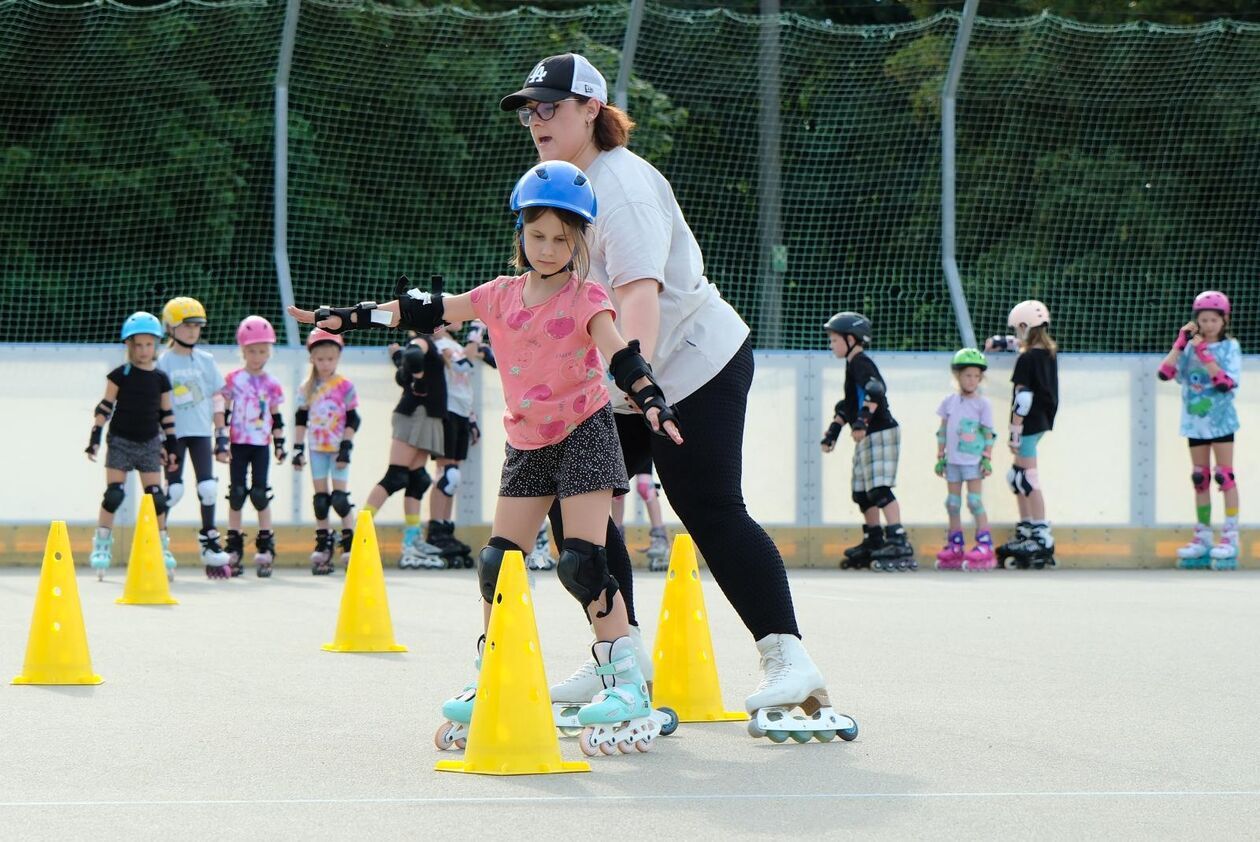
x=370 y=510
x=103 y=531
x=412 y=520
x=1204 y=513
x=1231 y=520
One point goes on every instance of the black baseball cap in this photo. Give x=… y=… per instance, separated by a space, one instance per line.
x=556 y=78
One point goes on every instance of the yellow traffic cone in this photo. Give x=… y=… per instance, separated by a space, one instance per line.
x=363 y=625
x=686 y=675
x=512 y=731
x=146 y=573
x=57 y=650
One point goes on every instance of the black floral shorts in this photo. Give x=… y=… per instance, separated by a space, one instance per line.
x=588 y=460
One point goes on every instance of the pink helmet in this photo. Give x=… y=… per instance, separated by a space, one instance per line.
x=1211 y=300
x=1029 y=314
x=254 y=330
x=319 y=335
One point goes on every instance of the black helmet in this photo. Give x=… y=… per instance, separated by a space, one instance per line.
x=851 y=324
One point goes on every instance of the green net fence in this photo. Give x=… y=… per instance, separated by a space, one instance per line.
x=1111 y=171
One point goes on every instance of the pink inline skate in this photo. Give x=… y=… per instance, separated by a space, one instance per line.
x=953 y=556
x=981 y=556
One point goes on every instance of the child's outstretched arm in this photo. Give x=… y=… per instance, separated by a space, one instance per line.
x=414 y=309
x=633 y=375
x=100 y=417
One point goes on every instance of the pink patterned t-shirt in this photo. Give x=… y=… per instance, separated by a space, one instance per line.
x=253 y=400
x=553 y=376
x=326 y=413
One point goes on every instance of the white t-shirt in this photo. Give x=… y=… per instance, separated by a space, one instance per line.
x=459 y=390
x=640 y=232
x=194 y=381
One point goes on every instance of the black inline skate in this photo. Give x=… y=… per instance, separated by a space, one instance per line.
x=1006 y=552
x=264 y=553
x=455 y=553
x=321 y=558
x=859 y=557
x=1035 y=553
x=896 y=554
x=235 y=548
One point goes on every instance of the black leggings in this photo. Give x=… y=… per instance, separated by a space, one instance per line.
x=201 y=452
x=703 y=481
x=255 y=458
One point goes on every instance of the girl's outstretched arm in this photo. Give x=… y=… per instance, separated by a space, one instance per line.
x=417 y=310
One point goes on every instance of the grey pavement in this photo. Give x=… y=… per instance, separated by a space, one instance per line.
x=1051 y=705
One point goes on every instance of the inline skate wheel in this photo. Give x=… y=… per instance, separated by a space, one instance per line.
x=644 y=745
x=672 y=725
x=802 y=736
x=264 y=571
x=846 y=564
x=1009 y=562
x=777 y=736
x=442 y=737
x=877 y=565
x=100 y=575
x=825 y=736
x=753 y=729
x=848 y=734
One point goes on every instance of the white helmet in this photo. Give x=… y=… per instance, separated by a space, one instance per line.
x=1027 y=315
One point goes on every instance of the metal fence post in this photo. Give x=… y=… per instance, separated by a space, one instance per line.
x=629 y=45
x=949 y=261
x=773 y=252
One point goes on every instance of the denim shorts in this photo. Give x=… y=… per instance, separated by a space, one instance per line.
x=961 y=473
x=325 y=465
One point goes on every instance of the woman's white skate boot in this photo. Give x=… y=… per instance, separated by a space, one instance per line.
x=791 y=700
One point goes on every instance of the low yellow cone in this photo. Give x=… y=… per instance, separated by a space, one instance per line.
x=686 y=675
x=146 y=573
x=512 y=731
x=57 y=650
x=363 y=625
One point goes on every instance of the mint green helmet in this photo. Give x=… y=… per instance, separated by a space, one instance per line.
x=968 y=357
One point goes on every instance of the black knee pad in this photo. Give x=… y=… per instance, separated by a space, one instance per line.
x=862 y=499
x=418 y=482
x=583 y=570
x=880 y=496
x=159 y=499
x=395 y=479
x=260 y=496
x=115 y=493
x=341 y=502
x=236 y=496
x=489 y=562
x=322 y=501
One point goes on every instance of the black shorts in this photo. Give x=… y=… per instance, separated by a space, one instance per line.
x=458 y=433
x=587 y=460
x=636 y=444
x=1218 y=440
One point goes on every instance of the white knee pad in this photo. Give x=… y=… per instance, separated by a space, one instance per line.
x=449 y=483
x=1032 y=479
x=208 y=491
x=174 y=492
x=1023 y=481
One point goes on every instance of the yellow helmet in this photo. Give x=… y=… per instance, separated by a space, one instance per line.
x=183 y=309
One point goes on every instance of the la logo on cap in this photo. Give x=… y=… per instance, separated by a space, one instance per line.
x=539 y=74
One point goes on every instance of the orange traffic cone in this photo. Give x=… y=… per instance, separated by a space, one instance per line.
x=686 y=675
x=512 y=731
x=364 y=625
x=57 y=650
x=146 y=573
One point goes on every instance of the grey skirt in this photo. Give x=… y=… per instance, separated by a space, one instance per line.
x=420 y=431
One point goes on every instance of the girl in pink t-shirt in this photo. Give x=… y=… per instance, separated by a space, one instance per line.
x=550 y=328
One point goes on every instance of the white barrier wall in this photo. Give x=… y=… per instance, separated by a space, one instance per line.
x=1114 y=458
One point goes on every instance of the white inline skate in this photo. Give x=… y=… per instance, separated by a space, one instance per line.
x=102 y=553
x=1195 y=555
x=1225 y=553
x=418 y=553
x=540 y=558
x=791 y=700
x=620 y=716
x=658 y=549
x=458 y=710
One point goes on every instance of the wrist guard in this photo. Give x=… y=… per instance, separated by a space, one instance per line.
x=343 y=451
x=221 y=440
x=1183 y=339
x=1167 y=371
x=985 y=465
x=421 y=311
x=94 y=440
x=939 y=469
x=1222 y=381
x=627 y=368
x=277 y=445
x=299 y=454
x=169 y=443
x=833 y=433
x=1205 y=356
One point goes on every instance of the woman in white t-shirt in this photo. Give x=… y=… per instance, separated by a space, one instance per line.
x=644 y=254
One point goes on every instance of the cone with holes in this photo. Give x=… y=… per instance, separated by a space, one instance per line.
x=686 y=674
x=512 y=731
x=57 y=651
x=364 y=625
x=146 y=573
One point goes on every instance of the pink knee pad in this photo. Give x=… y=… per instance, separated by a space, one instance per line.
x=644 y=485
x=1224 y=478
x=1202 y=478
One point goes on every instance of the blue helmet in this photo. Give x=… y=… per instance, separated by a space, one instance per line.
x=555 y=184
x=141 y=322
